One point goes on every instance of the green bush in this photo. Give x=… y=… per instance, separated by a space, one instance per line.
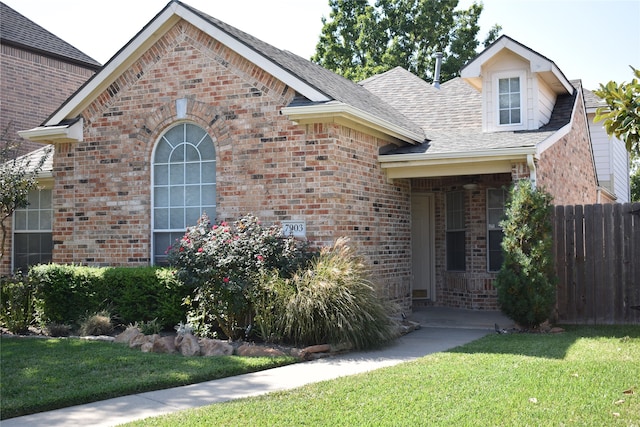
x=334 y=302
x=526 y=283
x=223 y=262
x=16 y=303
x=67 y=293
x=146 y=293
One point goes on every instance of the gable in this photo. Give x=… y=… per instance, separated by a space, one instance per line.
x=324 y=93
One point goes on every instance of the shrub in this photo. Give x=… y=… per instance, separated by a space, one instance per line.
x=222 y=263
x=16 y=303
x=269 y=300
x=146 y=294
x=65 y=293
x=150 y=327
x=96 y=324
x=334 y=302
x=526 y=282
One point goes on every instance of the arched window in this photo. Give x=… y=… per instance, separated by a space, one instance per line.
x=184 y=184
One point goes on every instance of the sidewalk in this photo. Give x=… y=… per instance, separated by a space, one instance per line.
x=442 y=329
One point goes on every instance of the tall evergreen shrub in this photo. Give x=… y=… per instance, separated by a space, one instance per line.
x=526 y=282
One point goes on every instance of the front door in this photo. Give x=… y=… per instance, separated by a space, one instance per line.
x=422 y=247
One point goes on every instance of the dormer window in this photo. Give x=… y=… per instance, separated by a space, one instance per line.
x=509 y=101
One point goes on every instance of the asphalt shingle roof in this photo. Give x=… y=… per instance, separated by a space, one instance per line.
x=452 y=115
x=331 y=84
x=20 y=31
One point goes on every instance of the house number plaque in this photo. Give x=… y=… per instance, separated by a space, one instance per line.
x=295 y=228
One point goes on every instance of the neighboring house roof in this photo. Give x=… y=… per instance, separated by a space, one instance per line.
x=592 y=101
x=321 y=91
x=18 y=31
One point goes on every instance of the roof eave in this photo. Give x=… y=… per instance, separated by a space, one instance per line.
x=55 y=134
x=342 y=113
x=425 y=165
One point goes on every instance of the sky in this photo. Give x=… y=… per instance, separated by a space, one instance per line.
x=593 y=40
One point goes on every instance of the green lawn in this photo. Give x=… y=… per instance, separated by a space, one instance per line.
x=588 y=376
x=43 y=374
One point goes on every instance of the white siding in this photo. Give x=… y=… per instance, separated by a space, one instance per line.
x=612 y=161
x=546 y=101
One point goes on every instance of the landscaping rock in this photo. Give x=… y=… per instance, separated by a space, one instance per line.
x=315 y=351
x=188 y=345
x=166 y=345
x=250 y=350
x=138 y=340
x=210 y=347
x=146 y=347
x=128 y=334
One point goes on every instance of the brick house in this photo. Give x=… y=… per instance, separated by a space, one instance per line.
x=34 y=60
x=194 y=115
x=38 y=71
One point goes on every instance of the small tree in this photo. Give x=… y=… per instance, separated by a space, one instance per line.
x=526 y=282
x=18 y=176
x=223 y=262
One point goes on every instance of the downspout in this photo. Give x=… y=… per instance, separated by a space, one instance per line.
x=532 y=170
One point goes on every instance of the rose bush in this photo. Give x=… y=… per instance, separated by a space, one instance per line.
x=222 y=263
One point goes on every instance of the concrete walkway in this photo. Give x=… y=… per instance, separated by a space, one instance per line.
x=442 y=329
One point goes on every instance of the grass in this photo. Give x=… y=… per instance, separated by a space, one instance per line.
x=588 y=376
x=43 y=374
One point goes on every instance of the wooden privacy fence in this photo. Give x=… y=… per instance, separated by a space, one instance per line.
x=597 y=258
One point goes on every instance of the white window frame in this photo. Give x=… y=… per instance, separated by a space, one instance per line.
x=43 y=227
x=523 y=105
x=166 y=186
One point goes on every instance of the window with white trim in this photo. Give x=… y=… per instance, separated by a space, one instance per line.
x=32 y=231
x=184 y=184
x=496 y=201
x=509 y=101
x=455 y=233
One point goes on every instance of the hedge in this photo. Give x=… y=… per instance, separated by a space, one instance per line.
x=66 y=293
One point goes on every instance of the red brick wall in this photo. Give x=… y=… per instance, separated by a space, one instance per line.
x=566 y=169
x=32 y=87
x=326 y=174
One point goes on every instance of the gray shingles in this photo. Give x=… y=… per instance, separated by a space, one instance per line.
x=331 y=84
x=19 y=31
x=452 y=116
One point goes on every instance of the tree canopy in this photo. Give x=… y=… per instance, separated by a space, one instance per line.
x=622 y=113
x=362 y=38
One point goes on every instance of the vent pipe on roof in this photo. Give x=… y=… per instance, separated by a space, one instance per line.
x=436 y=77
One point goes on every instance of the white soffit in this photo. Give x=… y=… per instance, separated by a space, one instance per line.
x=151 y=34
x=53 y=134
x=453 y=164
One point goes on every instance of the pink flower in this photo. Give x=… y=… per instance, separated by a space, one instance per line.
x=181 y=249
x=260 y=257
x=200 y=249
x=215 y=227
x=225 y=279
